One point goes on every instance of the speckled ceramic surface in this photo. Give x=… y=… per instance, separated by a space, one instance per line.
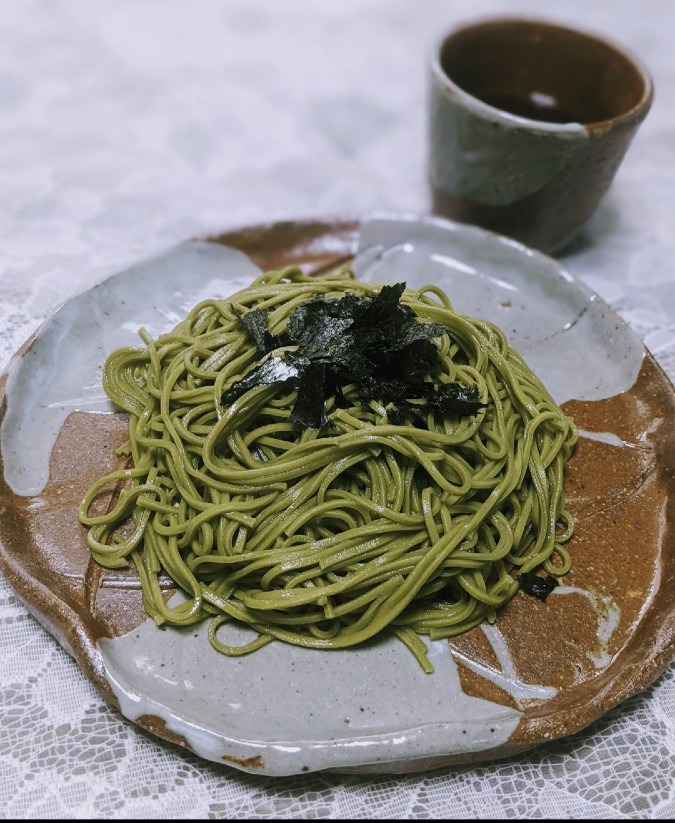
x=528 y=123
x=544 y=670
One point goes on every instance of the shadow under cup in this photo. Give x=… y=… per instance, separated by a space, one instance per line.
x=528 y=124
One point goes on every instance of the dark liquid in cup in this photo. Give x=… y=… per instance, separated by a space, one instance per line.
x=534 y=106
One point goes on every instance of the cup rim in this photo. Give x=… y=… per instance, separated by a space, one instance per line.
x=572 y=128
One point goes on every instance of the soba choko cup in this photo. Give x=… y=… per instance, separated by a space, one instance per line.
x=528 y=123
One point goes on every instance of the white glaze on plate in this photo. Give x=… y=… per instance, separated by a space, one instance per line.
x=298 y=709
x=61 y=371
x=295 y=708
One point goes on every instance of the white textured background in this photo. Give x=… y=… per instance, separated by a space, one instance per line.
x=129 y=125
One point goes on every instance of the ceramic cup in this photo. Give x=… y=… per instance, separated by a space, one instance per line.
x=528 y=123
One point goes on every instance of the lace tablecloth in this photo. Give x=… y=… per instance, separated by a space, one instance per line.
x=129 y=125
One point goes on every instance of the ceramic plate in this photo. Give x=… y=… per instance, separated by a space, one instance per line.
x=543 y=670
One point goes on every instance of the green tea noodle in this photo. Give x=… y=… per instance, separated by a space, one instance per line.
x=328 y=537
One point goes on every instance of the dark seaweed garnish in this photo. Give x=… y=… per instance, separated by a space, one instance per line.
x=537 y=585
x=376 y=342
x=256 y=324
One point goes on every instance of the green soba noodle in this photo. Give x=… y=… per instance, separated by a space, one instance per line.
x=328 y=537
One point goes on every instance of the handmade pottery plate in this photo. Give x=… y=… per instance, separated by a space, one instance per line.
x=542 y=671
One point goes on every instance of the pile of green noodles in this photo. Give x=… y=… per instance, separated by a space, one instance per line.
x=326 y=539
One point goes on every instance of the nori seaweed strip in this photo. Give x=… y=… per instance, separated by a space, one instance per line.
x=536 y=585
x=377 y=342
